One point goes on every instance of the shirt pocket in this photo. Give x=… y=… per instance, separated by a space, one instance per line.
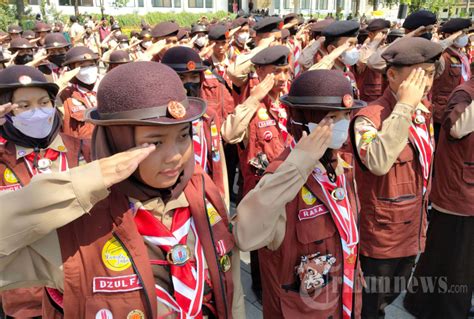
x=315 y=231
x=401 y=209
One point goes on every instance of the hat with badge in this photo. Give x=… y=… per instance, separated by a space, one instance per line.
x=55 y=40
x=285 y=34
x=456 y=24
x=20 y=76
x=268 y=24
x=14 y=29
x=119 y=57
x=165 y=29
x=418 y=19
x=378 y=24
x=278 y=55
x=161 y=100
x=145 y=35
x=327 y=90
x=347 y=28
x=218 y=32
x=183 y=59
x=412 y=50
x=182 y=34
x=41 y=26
x=28 y=35
x=80 y=54
x=20 y=43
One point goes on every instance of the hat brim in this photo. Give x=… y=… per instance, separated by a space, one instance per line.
x=197 y=69
x=50 y=87
x=58 y=46
x=197 y=107
x=66 y=63
x=358 y=104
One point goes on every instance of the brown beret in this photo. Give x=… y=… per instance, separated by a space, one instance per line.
x=455 y=25
x=218 y=32
x=418 y=19
x=275 y=55
x=410 y=51
x=319 y=26
x=183 y=59
x=289 y=17
x=268 y=24
x=133 y=94
x=239 y=22
x=285 y=33
x=347 y=28
x=378 y=24
x=165 y=29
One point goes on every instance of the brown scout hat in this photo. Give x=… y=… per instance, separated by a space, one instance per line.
x=20 y=76
x=319 y=26
x=21 y=43
x=183 y=59
x=326 y=90
x=14 y=29
x=42 y=27
x=119 y=57
x=133 y=94
x=28 y=34
x=165 y=29
x=80 y=54
x=413 y=50
x=55 y=40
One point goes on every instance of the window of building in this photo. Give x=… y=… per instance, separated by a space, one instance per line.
x=161 y=3
x=289 y=4
x=82 y=3
x=195 y=3
x=177 y=3
x=276 y=4
x=305 y=4
x=322 y=4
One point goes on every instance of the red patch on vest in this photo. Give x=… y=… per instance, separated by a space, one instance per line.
x=13 y=187
x=312 y=212
x=116 y=284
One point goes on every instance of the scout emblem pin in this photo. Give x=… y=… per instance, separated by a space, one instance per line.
x=419 y=118
x=338 y=193
x=44 y=164
x=176 y=110
x=178 y=255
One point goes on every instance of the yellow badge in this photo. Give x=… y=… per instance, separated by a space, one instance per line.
x=455 y=60
x=213 y=215
x=9 y=177
x=262 y=114
x=61 y=148
x=214 y=131
x=114 y=256
x=368 y=136
x=307 y=196
x=136 y=314
x=431 y=129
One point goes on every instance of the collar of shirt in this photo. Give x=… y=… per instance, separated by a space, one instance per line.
x=217 y=63
x=157 y=207
x=341 y=164
x=56 y=145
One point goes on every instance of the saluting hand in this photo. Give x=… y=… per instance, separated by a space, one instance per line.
x=5 y=109
x=119 y=167
x=411 y=90
x=263 y=88
x=318 y=141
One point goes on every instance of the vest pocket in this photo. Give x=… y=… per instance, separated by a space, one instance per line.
x=468 y=173
x=315 y=230
x=401 y=209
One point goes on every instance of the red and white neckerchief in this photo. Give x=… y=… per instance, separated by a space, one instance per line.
x=280 y=111
x=343 y=217
x=421 y=137
x=296 y=56
x=88 y=96
x=465 y=66
x=200 y=144
x=49 y=154
x=188 y=279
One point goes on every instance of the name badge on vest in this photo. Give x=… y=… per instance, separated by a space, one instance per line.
x=116 y=284
x=263 y=124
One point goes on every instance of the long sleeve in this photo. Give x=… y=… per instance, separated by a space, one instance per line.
x=462 y=104
x=234 y=128
x=378 y=150
x=307 y=54
x=261 y=216
x=49 y=202
x=239 y=70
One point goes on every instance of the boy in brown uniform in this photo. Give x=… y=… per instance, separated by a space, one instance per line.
x=392 y=139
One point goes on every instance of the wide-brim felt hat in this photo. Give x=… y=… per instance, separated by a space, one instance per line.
x=326 y=90
x=80 y=54
x=118 y=57
x=22 y=76
x=21 y=43
x=183 y=60
x=144 y=94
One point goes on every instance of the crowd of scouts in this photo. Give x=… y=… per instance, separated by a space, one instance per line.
x=346 y=149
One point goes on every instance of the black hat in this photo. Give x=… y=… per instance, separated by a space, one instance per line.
x=145 y=35
x=276 y=55
x=378 y=24
x=412 y=50
x=218 y=32
x=165 y=29
x=290 y=16
x=55 y=40
x=268 y=24
x=119 y=57
x=199 y=28
x=28 y=35
x=239 y=22
x=183 y=59
x=122 y=38
x=132 y=94
x=41 y=26
x=342 y=29
x=319 y=26
x=19 y=76
x=327 y=90
x=418 y=19
x=455 y=25
x=80 y=54
x=21 y=43
x=14 y=29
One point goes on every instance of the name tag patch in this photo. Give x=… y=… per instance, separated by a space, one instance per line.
x=312 y=212
x=13 y=187
x=268 y=123
x=116 y=284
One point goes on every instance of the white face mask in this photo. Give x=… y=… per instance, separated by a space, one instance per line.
x=123 y=45
x=243 y=37
x=146 y=44
x=201 y=41
x=461 y=41
x=88 y=74
x=118 y=33
x=35 y=123
x=340 y=132
x=350 y=57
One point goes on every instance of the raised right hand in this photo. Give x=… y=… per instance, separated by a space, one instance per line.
x=318 y=141
x=411 y=90
x=263 y=88
x=5 y=109
x=119 y=167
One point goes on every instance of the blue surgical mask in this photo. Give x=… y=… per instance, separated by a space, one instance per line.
x=340 y=132
x=461 y=41
x=350 y=57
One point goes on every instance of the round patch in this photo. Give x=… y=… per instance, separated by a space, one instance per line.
x=114 y=256
x=338 y=194
x=267 y=136
x=104 y=314
x=21 y=153
x=454 y=60
x=227 y=34
x=368 y=136
x=191 y=65
x=9 y=177
x=347 y=100
x=307 y=196
x=61 y=148
x=176 y=110
x=136 y=314
x=226 y=263
x=24 y=79
x=263 y=114
x=318 y=171
x=280 y=25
